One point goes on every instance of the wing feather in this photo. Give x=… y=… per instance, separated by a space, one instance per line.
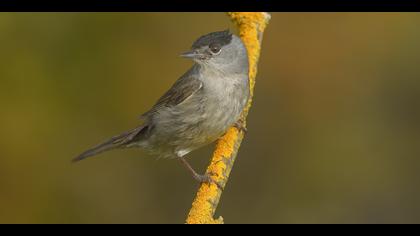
x=181 y=90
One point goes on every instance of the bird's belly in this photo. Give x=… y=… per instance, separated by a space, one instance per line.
x=191 y=129
x=194 y=124
x=220 y=118
x=198 y=129
x=208 y=125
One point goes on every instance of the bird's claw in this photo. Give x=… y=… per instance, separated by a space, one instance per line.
x=240 y=126
x=206 y=178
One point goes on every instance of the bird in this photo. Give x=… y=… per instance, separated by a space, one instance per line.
x=198 y=109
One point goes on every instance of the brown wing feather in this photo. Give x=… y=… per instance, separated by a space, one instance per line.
x=182 y=89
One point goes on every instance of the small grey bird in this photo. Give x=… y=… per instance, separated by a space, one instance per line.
x=198 y=108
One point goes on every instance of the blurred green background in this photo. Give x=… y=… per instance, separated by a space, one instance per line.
x=334 y=132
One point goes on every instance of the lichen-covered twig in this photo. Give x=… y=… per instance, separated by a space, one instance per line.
x=251 y=27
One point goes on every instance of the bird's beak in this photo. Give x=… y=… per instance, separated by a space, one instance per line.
x=190 y=54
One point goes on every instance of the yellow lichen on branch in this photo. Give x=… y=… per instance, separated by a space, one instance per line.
x=251 y=27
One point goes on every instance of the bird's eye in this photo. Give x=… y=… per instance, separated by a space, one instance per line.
x=215 y=49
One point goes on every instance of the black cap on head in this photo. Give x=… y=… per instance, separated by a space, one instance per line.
x=220 y=37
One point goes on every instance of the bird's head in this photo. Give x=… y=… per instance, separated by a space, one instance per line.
x=220 y=50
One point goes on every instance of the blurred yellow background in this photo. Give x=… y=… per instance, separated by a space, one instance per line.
x=333 y=135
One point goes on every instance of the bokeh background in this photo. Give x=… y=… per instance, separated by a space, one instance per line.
x=334 y=132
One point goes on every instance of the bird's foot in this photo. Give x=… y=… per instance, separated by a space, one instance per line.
x=206 y=178
x=240 y=126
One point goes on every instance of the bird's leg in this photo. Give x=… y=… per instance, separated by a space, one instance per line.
x=240 y=125
x=200 y=178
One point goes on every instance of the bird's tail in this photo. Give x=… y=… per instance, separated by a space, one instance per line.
x=119 y=141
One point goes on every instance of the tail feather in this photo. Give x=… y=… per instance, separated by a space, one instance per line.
x=118 y=141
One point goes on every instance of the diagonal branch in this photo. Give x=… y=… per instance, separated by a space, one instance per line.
x=251 y=27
